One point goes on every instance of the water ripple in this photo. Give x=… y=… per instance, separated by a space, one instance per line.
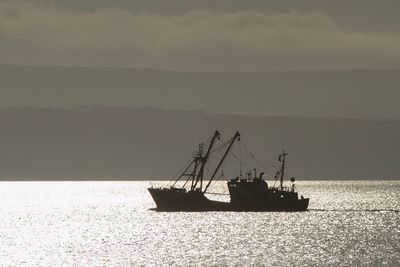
x=109 y=224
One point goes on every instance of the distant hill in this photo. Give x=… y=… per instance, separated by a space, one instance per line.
x=345 y=93
x=96 y=142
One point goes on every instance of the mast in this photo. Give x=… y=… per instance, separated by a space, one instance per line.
x=199 y=161
x=203 y=160
x=197 y=158
x=234 y=138
x=282 y=159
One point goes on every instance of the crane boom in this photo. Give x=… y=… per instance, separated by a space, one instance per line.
x=232 y=142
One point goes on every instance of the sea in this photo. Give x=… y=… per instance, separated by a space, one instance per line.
x=349 y=223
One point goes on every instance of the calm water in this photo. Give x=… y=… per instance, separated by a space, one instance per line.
x=109 y=223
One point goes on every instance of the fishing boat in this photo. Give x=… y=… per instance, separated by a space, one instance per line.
x=249 y=192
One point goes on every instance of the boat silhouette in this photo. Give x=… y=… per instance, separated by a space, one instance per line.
x=247 y=193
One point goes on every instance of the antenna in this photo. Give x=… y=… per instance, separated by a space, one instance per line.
x=240 y=159
x=282 y=159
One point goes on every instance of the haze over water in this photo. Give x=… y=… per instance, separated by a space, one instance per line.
x=350 y=223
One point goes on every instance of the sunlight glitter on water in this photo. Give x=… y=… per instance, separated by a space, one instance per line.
x=109 y=223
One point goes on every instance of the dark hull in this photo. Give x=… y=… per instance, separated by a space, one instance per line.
x=272 y=205
x=179 y=200
x=172 y=200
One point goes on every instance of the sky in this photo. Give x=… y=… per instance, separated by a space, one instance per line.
x=202 y=35
x=264 y=58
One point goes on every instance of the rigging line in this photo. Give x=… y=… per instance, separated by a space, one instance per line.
x=222 y=174
x=224 y=189
x=276 y=177
x=248 y=164
x=252 y=164
x=219 y=177
x=231 y=143
x=185 y=167
x=220 y=147
x=189 y=177
x=215 y=156
x=254 y=157
x=208 y=170
x=179 y=172
x=184 y=172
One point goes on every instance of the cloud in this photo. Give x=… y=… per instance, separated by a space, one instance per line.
x=39 y=33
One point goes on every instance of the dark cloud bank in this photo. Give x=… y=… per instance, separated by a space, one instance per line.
x=201 y=36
